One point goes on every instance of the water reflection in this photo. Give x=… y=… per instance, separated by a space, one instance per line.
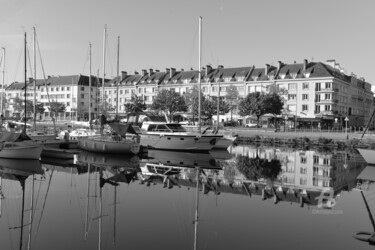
x=169 y=193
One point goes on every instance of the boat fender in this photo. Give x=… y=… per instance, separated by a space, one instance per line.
x=213 y=141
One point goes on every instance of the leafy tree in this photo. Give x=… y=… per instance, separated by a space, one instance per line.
x=56 y=108
x=19 y=105
x=39 y=107
x=169 y=102
x=259 y=104
x=135 y=105
x=192 y=100
x=231 y=96
x=209 y=107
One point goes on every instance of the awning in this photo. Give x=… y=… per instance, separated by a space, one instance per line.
x=367 y=174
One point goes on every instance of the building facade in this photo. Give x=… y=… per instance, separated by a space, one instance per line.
x=315 y=93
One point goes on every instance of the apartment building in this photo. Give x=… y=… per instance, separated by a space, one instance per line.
x=73 y=91
x=316 y=94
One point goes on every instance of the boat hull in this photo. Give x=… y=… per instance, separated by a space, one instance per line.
x=225 y=142
x=368 y=155
x=59 y=153
x=21 y=151
x=179 y=142
x=106 y=145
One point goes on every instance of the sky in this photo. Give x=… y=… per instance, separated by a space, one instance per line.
x=161 y=34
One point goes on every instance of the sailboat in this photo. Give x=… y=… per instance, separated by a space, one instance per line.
x=10 y=144
x=120 y=143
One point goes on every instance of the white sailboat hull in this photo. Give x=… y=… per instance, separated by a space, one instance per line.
x=21 y=150
x=105 y=144
x=368 y=155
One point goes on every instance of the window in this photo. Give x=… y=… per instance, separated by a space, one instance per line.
x=140 y=90
x=82 y=96
x=305 y=97
x=328 y=85
x=68 y=104
x=51 y=89
x=303 y=170
x=303 y=160
x=291 y=97
x=303 y=181
x=67 y=88
x=57 y=88
x=326 y=161
x=82 y=104
x=83 y=88
x=305 y=107
x=120 y=92
x=327 y=107
x=317 y=86
x=305 y=85
x=327 y=96
x=214 y=89
x=67 y=95
x=126 y=91
x=316 y=159
x=317 y=109
x=62 y=88
x=292 y=86
x=204 y=89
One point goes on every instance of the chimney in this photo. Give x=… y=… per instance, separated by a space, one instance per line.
x=220 y=67
x=30 y=80
x=182 y=70
x=167 y=71
x=305 y=64
x=331 y=62
x=123 y=74
x=266 y=69
x=280 y=64
x=157 y=71
x=136 y=73
x=173 y=71
x=208 y=69
x=144 y=72
x=151 y=71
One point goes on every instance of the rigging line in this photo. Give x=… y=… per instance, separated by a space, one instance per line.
x=191 y=50
x=37 y=198
x=86 y=59
x=18 y=64
x=44 y=203
x=30 y=70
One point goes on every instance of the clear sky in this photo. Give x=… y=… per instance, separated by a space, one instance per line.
x=161 y=34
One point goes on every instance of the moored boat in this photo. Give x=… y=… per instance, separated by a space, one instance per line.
x=21 y=150
x=368 y=155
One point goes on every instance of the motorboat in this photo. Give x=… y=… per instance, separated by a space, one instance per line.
x=173 y=136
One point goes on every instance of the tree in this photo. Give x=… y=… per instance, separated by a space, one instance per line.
x=19 y=106
x=209 y=107
x=56 y=108
x=169 y=102
x=259 y=104
x=231 y=96
x=192 y=100
x=136 y=105
x=39 y=107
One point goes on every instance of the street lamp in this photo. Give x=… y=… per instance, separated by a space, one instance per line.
x=346 y=127
x=286 y=118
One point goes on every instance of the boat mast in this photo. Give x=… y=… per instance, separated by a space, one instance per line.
x=34 y=33
x=90 y=84
x=2 y=86
x=24 y=129
x=199 y=74
x=196 y=211
x=118 y=74
x=87 y=202
x=31 y=214
x=103 y=80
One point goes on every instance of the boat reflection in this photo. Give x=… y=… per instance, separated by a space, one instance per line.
x=19 y=170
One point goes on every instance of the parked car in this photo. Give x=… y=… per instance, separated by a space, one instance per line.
x=230 y=124
x=251 y=125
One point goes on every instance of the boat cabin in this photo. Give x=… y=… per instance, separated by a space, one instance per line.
x=162 y=127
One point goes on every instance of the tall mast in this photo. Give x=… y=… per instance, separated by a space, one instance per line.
x=118 y=74
x=2 y=86
x=34 y=78
x=90 y=83
x=24 y=129
x=199 y=74
x=104 y=47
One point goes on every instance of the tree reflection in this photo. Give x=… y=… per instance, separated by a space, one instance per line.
x=256 y=168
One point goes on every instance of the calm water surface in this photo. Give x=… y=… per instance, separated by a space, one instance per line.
x=248 y=197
